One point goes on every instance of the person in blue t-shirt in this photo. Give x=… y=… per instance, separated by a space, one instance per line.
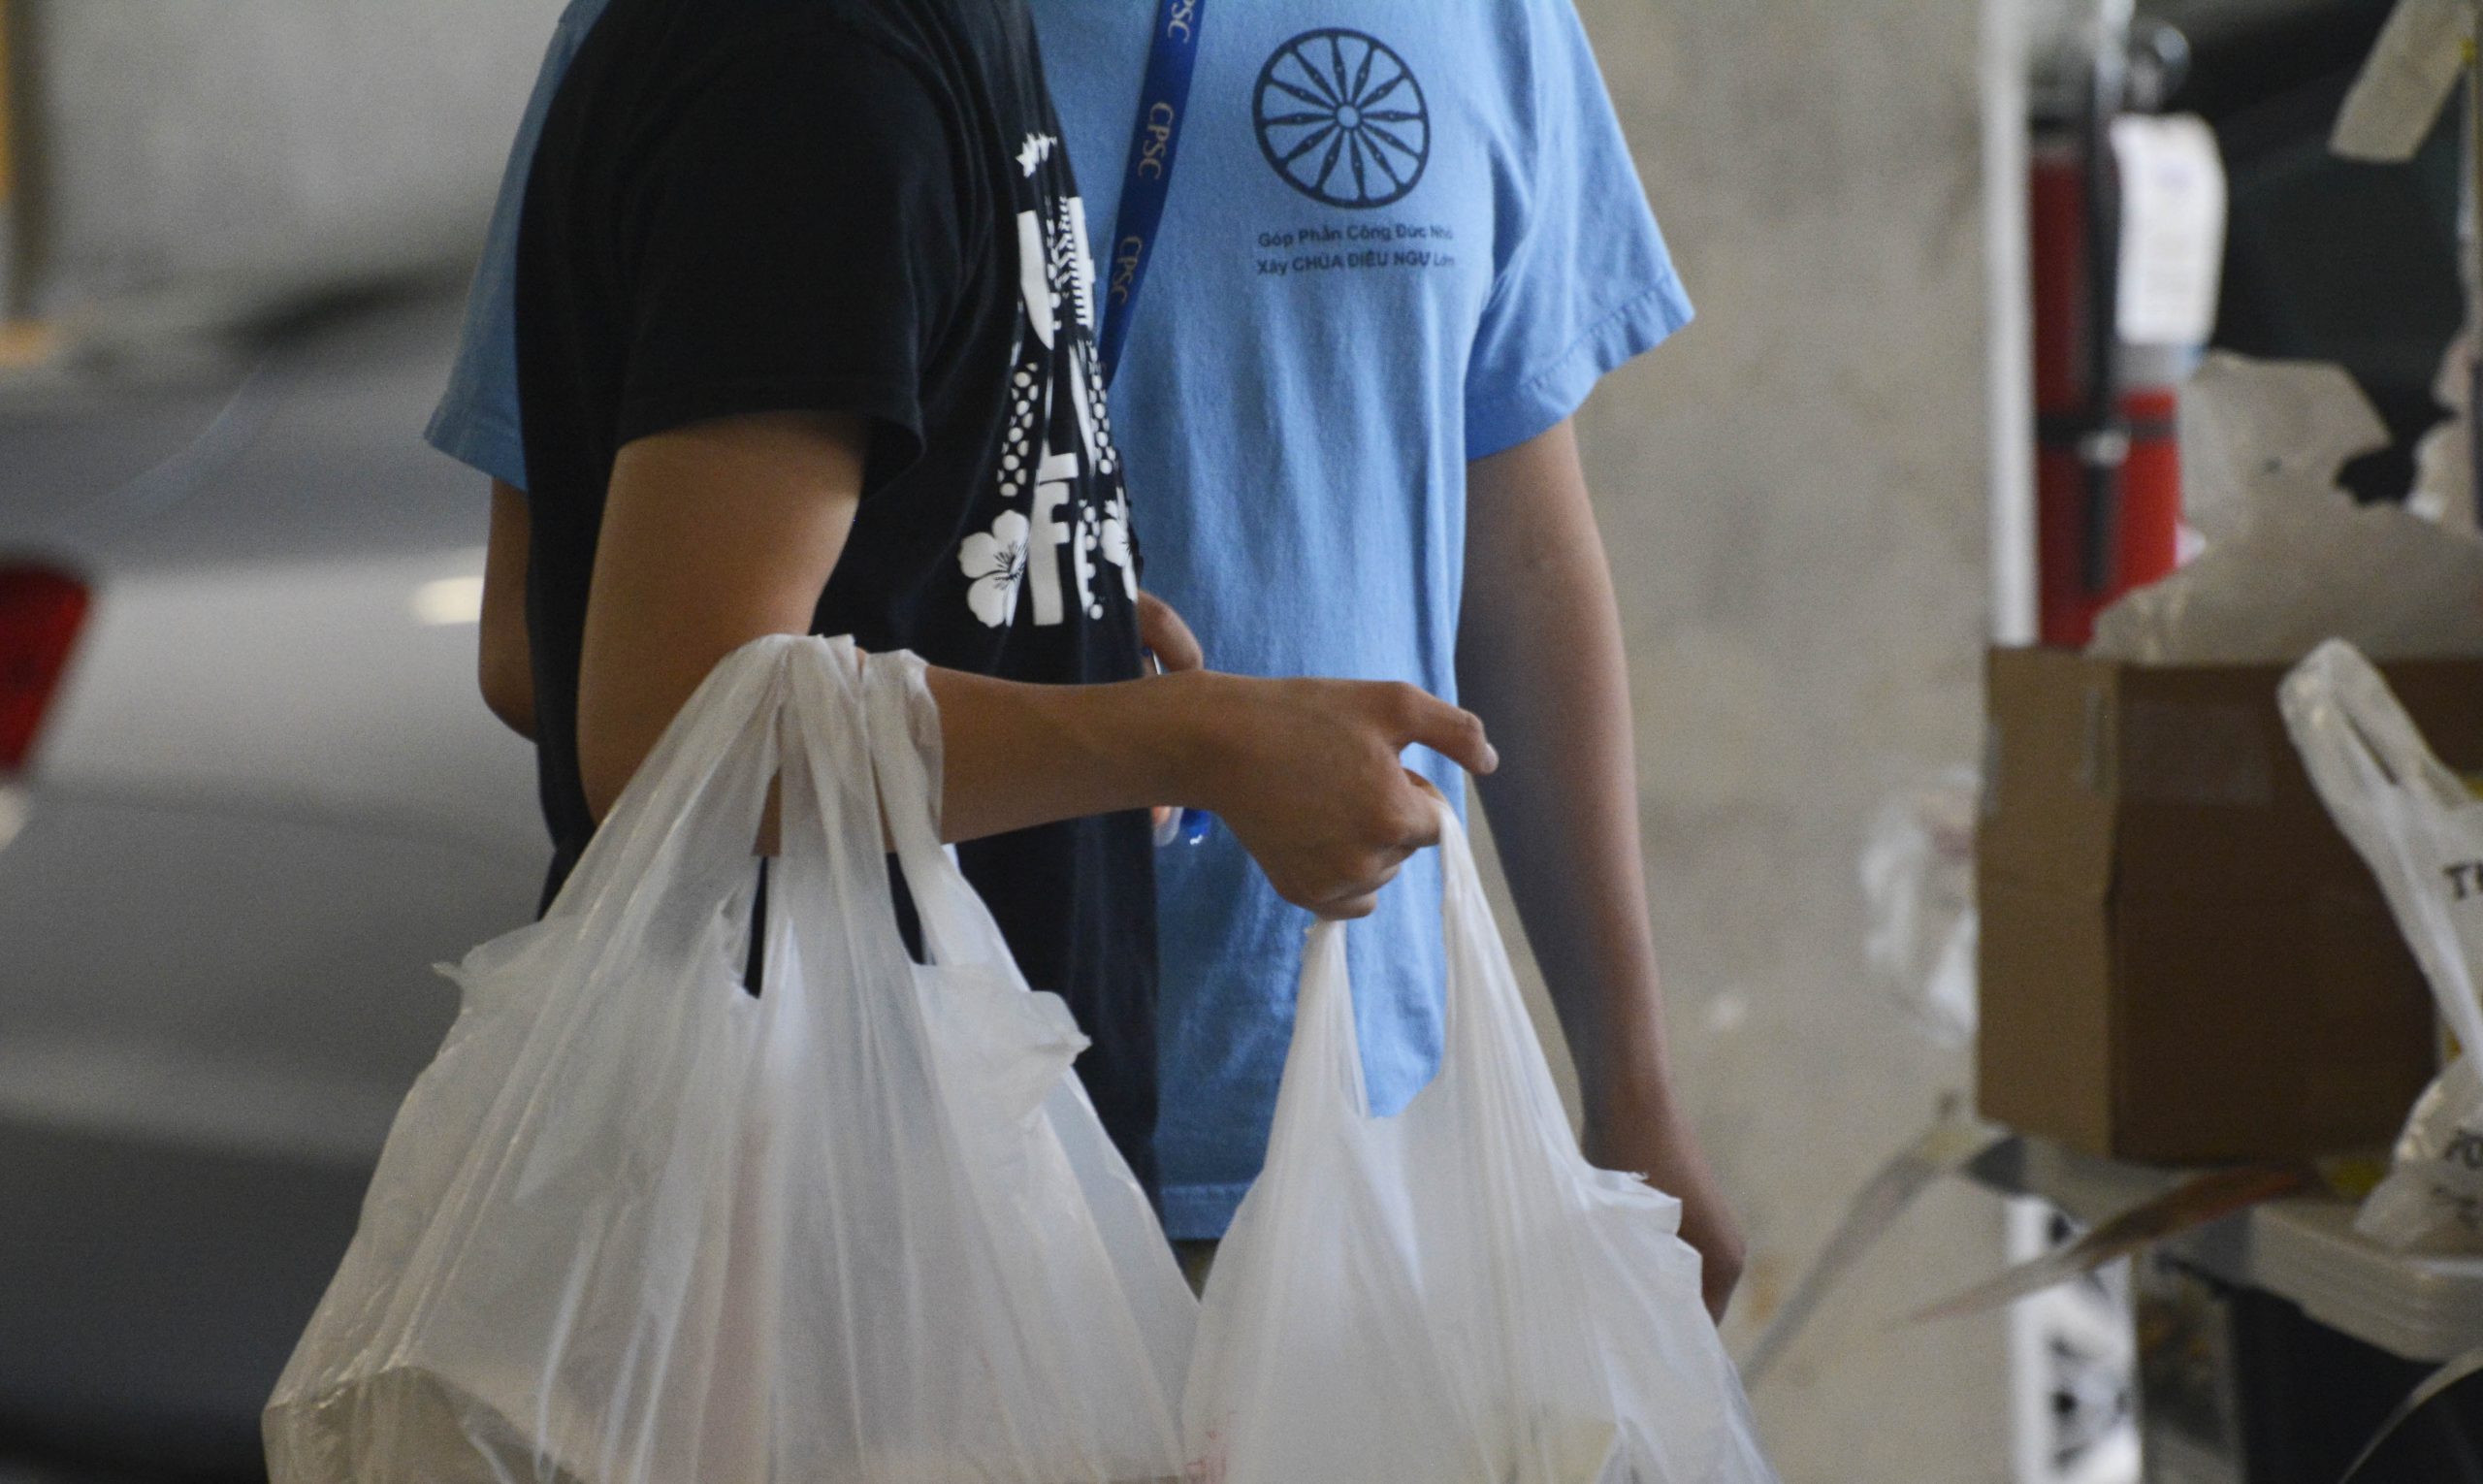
x=1403 y=243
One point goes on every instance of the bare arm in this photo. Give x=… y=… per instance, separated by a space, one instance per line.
x=507 y=669
x=1539 y=659
x=718 y=534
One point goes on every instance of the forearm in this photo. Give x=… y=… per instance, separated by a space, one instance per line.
x=719 y=532
x=1541 y=660
x=1102 y=748
x=1305 y=773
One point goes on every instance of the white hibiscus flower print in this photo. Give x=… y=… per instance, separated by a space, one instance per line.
x=995 y=564
x=1116 y=544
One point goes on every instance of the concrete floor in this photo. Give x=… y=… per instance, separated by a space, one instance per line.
x=267 y=1230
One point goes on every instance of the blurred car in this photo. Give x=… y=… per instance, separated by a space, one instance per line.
x=248 y=794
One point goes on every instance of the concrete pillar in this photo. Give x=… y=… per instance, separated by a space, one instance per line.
x=1795 y=497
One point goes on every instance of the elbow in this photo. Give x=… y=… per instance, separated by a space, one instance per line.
x=602 y=773
x=509 y=687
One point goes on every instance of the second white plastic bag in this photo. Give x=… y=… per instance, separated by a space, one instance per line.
x=634 y=1226
x=1454 y=1295
x=2421 y=830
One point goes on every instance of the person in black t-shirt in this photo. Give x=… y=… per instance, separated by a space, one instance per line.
x=805 y=344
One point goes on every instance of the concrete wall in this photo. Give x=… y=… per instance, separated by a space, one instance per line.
x=265 y=141
x=1793 y=491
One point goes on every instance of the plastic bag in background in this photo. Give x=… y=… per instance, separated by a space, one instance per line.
x=1917 y=872
x=634 y=1226
x=2413 y=67
x=2394 y=106
x=1453 y=1295
x=2443 y=458
x=2289 y=558
x=2421 y=830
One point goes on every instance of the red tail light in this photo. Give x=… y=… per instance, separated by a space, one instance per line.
x=40 y=610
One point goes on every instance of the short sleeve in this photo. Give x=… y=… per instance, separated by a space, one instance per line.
x=476 y=421
x=1585 y=282
x=795 y=242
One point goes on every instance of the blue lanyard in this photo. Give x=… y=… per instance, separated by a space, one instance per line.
x=1163 y=106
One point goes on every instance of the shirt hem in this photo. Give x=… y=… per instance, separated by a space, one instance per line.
x=484 y=445
x=1554 y=393
x=1201 y=1212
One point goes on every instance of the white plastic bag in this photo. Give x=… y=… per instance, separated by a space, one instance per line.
x=1454 y=1295
x=634 y=1226
x=2421 y=830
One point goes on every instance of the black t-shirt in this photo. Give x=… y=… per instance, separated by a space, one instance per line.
x=854 y=206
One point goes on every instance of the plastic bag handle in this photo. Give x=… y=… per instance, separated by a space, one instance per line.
x=2383 y=785
x=1489 y=1034
x=957 y=929
x=678 y=845
x=689 y=817
x=1325 y=1056
x=2378 y=738
x=866 y=731
x=825 y=727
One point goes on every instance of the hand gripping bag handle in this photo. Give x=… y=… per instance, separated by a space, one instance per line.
x=1516 y=1269
x=1488 y=1035
x=2390 y=795
x=1478 y=1029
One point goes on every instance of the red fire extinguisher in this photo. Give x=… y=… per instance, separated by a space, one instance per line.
x=2108 y=484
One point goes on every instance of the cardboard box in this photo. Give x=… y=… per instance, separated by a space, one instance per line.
x=2182 y=960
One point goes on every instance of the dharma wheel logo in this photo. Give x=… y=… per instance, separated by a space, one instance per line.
x=1342 y=119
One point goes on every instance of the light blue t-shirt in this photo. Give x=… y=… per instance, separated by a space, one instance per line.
x=1402 y=235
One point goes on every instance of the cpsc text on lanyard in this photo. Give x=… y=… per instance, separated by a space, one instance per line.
x=1163 y=107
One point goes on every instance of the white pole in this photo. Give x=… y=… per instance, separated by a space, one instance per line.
x=2008 y=314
